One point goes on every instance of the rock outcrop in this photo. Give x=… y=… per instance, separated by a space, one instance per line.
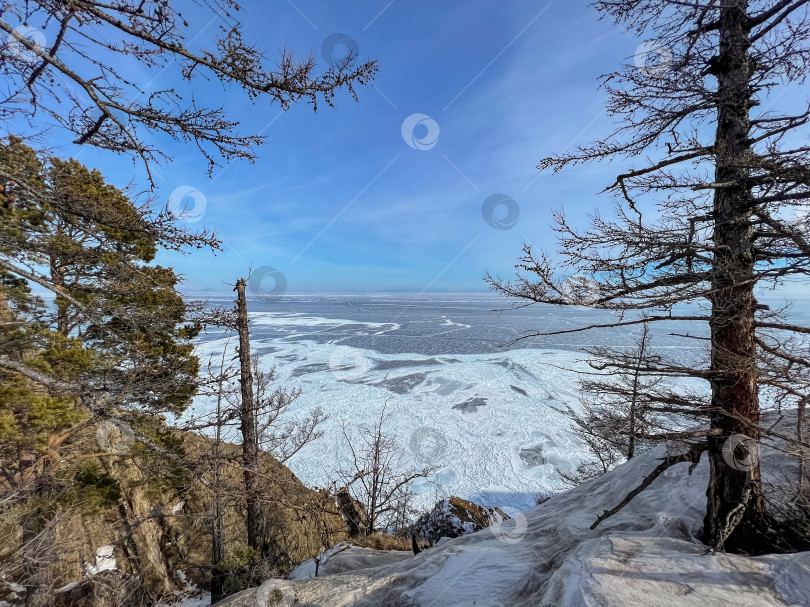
x=150 y=539
x=454 y=517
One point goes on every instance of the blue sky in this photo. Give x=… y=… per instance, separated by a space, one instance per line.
x=339 y=202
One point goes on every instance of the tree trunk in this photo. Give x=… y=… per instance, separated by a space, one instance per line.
x=642 y=351
x=800 y=438
x=250 y=455
x=217 y=544
x=735 y=398
x=217 y=554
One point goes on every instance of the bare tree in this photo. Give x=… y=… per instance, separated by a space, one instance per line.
x=277 y=432
x=616 y=406
x=374 y=479
x=260 y=410
x=72 y=71
x=622 y=409
x=247 y=426
x=713 y=209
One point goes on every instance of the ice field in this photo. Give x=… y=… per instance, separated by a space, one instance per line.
x=495 y=417
x=497 y=425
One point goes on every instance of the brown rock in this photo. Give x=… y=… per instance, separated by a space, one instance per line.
x=454 y=517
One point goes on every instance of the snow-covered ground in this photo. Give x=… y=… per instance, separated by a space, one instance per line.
x=344 y=557
x=498 y=425
x=647 y=555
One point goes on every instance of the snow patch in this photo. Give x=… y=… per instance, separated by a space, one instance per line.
x=202 y=600
x=66 y=588
x=344 y=558
x=105 y=561
x=307 y=569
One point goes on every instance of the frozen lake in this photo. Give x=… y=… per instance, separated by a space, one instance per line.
x=494 y=415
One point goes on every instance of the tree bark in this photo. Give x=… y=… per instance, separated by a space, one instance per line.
x=802 y=450
x=642 y=351
x=250 y=451
x=217 y=541
x=735 y=398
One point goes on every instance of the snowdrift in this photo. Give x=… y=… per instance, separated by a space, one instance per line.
x=344 y=557
x=647 y=554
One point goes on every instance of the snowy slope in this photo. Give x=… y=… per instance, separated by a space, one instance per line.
x=648 y=554
x=344 y=557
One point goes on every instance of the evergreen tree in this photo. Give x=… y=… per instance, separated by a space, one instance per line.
x=114 y=338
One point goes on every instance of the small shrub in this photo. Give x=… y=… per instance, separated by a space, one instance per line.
x=97 y=487
x=380 y=541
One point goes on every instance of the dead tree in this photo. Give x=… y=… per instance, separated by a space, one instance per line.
x=248 y=429
x=260 y=410
x=635 y=414
x=616 y=406
x=373 y=479
x=701 y=217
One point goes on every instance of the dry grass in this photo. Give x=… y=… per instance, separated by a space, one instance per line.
x=379 y=541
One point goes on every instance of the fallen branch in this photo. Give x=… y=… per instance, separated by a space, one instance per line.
x=693 y=456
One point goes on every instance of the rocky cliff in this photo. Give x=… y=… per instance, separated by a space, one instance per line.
x=136 y=528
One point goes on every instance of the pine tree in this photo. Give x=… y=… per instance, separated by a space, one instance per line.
x=115 y=338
